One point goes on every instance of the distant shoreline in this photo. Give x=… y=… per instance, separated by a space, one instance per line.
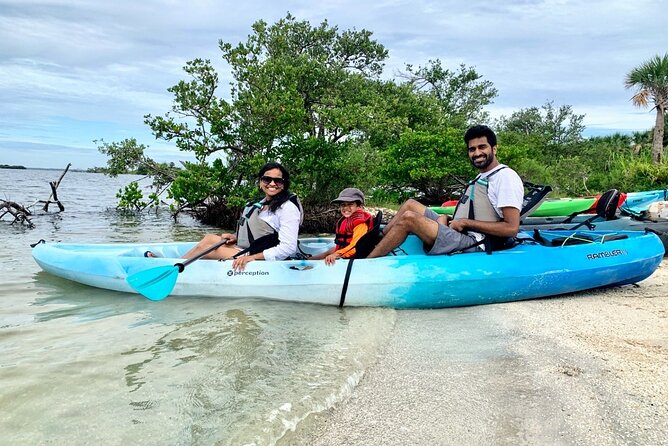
x=7 y=166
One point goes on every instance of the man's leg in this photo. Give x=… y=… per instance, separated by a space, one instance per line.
x=406 y=223
x=409 y=205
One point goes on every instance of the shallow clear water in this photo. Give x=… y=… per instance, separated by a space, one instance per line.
x=80 y=365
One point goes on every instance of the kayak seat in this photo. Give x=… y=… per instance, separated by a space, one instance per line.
x=606 y=208
x=533 y=198
x=368 y=241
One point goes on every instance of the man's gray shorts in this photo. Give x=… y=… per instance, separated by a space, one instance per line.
x=448 y=240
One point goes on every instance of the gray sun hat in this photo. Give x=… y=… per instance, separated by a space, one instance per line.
x=350 y=194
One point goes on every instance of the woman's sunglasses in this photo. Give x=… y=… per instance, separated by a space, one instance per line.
x=277 y=181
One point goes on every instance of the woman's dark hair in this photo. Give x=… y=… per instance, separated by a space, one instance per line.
x=479 y=131
x=283 y=196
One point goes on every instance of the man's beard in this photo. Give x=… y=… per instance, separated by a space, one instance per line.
x=482 y=164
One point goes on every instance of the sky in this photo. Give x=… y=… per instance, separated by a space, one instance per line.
x=76 y=71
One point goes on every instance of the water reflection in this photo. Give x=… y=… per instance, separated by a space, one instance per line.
x=63 y=298
x=233 y=335
x=77 y=362
x=121 y=220
x=245 y=370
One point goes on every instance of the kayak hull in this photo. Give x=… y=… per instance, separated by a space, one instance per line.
x=409 y=279
x=637 y=203
x=659 y=226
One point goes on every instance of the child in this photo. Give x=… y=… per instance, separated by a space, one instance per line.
x=354 y=223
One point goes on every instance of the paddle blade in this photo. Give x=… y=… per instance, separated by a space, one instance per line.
x=154 y=283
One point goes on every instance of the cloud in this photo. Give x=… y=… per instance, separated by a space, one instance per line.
x=69 y=69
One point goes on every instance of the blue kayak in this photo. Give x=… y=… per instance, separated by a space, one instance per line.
x=637 y=203
x=659 y=227
x=546 y=264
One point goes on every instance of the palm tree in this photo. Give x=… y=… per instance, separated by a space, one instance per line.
x=651 y=80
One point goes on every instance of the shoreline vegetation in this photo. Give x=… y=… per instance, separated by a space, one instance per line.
x=11 y=166
x=327 y=116
x=334 y=120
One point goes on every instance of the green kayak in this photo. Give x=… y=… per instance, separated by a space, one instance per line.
x=560 y=207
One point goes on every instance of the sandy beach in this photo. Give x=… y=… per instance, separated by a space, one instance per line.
x=582 y=369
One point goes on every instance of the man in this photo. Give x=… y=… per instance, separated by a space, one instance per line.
x=487 y=214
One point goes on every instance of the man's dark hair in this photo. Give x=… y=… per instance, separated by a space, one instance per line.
x=478 y=131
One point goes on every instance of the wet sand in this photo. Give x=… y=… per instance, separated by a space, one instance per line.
x=583 y=369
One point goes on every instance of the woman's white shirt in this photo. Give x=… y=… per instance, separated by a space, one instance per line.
x=285 y=221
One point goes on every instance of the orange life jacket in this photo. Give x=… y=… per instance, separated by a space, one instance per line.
x=345 y=227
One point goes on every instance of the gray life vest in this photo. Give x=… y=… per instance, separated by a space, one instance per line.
x=251 y=227
x=474 y=204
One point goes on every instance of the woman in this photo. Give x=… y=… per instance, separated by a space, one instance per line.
x=277 y=213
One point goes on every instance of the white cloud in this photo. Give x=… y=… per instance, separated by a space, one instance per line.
x=72 y=71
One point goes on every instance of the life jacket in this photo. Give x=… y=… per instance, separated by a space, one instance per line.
x=251 y=227
x=346 y=225
x=474 y=204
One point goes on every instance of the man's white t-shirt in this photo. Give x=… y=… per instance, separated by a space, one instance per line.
x=505 y=188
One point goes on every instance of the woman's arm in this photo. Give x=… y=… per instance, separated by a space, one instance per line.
x=286 y=222
x=239 y=264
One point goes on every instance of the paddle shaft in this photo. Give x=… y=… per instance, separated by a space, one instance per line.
x=201 y=254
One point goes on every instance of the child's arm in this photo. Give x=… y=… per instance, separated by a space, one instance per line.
x=322 y=255
x=349 y=251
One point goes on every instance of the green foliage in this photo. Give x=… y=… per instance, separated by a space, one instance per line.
x=127 y=156
x=312 y=97
x=555 y=130
x=309 y=96
x=545 y=145
x=650 y=79
x=323 y=168
x=302 y=94
x=426 y=164
x=590 y=166
x=638 y=173
x=132 y=198
x=123 y=157
x=459 y=95
x=203 y=185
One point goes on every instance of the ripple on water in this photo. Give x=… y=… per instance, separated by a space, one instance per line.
x=80 y=365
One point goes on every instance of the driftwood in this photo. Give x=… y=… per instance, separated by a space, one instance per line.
x=20 y=213
x=54 y=194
